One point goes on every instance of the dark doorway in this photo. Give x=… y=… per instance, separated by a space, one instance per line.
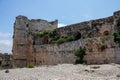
x=0 y=63
x=33 y=42
x=27 y=25
x=77 y=35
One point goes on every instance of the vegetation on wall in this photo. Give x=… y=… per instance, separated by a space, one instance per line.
x=54 y=38
x=46 y=32
x=63 y=39
x=79 y=53
x=116 y=37
x=118 y=21
x=52 y=33
x=30 y=65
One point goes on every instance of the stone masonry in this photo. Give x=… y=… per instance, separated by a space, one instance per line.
x=6 y=60
x=93 y=35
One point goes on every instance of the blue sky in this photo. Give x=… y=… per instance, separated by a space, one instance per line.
x=66 y=11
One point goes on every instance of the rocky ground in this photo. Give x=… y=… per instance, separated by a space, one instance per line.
x=64 y=72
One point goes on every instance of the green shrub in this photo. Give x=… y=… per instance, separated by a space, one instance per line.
x=53 y=40
x=116 y=34
x=30 y=65
x=61 y=40
x=70 y=38
x=52 y=33
x=79 y=53
x=65 y=39
x=41 y=34
x=116 y=37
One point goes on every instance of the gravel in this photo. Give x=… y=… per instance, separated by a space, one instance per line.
x=64 y=72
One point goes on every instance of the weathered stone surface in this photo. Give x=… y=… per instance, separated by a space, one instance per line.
x=94 y=35
x=23 y=40
x=6 y=60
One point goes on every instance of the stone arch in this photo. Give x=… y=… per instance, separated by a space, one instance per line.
x=77 y=35
x=106 y=33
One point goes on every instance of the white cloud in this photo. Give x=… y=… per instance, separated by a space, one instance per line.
x=5 y=46
x=61 y=25
x=3 y=35
x=5 y=42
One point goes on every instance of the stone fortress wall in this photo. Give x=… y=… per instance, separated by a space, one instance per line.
x=92 y=35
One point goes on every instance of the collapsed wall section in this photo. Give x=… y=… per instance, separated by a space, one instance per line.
x=40 y=25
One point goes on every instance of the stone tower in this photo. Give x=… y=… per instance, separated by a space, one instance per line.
x=22 y=42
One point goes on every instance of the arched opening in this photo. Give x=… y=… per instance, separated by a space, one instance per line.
x=77 y=35
x=106 y=33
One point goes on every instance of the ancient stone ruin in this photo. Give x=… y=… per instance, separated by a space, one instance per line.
x=6 y=60
x=40 y=42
